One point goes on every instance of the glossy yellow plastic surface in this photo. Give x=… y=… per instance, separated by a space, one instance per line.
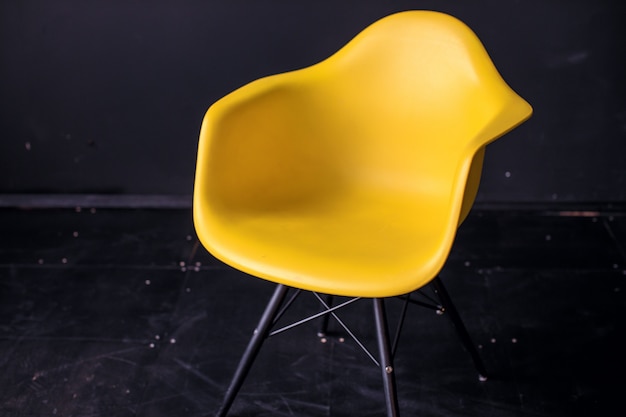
x=350 y=177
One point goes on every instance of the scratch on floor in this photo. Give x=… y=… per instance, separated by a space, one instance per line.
x=77 y=362
x=123 y=360
x=189 y=368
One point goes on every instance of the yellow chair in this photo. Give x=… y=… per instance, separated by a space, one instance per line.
x=351 y=177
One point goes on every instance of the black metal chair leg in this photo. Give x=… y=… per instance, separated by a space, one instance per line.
x=259 y=335
x=386 y=359
x=452 y=312
x=323 y=330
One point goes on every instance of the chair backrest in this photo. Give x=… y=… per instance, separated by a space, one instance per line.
x=423 y=81
x=409 y=104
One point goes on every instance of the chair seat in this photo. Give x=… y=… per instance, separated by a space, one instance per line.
x=371 y=243
x=350 y=177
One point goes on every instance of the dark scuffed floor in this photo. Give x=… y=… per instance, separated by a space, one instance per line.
x=119 y=312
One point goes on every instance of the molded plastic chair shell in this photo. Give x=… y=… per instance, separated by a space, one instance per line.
x=351 y=177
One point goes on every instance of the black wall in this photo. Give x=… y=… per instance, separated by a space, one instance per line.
x=107 y=96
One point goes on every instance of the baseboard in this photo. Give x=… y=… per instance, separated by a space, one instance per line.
x=168 y=201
